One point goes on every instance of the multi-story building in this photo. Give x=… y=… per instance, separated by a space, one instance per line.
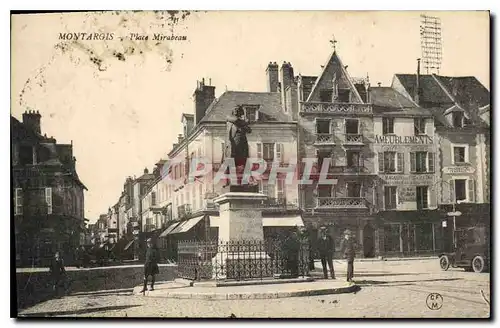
x=335 y=120
x=48 y=196
x=460 y=106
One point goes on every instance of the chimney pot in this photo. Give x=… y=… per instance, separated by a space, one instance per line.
x=379 y=84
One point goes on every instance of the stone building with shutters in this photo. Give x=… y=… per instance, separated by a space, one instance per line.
x=47 y=194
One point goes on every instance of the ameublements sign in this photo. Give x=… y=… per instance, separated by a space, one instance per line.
x=395 y=139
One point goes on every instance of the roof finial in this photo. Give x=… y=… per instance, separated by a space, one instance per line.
x=333 y=41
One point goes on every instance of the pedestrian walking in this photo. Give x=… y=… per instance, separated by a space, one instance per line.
x=347 y=248
x=151 y=265
x=57 y=271
x=326 y=249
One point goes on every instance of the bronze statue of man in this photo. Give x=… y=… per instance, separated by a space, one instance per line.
x=236 y=141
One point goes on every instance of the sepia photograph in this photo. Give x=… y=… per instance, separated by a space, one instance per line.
x=250 y=164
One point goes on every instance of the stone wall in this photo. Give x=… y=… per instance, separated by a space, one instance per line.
x=35 y=287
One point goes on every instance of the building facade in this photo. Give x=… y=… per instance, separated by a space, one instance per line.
x=48 y=196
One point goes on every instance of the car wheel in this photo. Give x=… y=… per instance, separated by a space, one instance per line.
x=444 y=262
x=478 y=264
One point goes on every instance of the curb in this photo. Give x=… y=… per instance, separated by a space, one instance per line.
x=249 y=295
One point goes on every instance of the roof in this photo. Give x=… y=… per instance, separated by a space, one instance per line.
x=389 y=97
x=467 y=91
x=270 y=106
x=431 y=91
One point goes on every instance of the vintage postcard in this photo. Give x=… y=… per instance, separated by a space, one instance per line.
x=251 y=164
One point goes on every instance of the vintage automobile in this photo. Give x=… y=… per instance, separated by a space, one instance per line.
x=471 y=251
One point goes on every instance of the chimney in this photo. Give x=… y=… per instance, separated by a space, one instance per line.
x=417 y=84
x=203 y=96
x=286 y=80
x=180 y=137
x=31 y=119
x=272 y=77
x=146 y=171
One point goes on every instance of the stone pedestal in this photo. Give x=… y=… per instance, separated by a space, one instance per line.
x=241 y=236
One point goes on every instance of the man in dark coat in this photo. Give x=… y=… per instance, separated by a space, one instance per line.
x=307 y=248
x=347 y=248
x=292 y=250
x=150 y=266
x=326 y=249
x=56 y=270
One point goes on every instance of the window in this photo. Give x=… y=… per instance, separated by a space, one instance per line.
x=459 y=155
x=460 y=190
x=153 y=198
x=252 y=113
x=280 y=190
x=419 y=126
x=259 y=150
x=390 y=197
x=344 y=95
x=422 y=197
x=388 y=125
x=351 y=126
x=321 y=155
x=421 y=162
x=48 y=199
x=353 y=189
x=268 y=153
x=323 y=126
x=267 y=189
x=325 y=191
x=353 y=158
x=458 y=119
x=391 y=162
x=326 y=95
x=18 y=200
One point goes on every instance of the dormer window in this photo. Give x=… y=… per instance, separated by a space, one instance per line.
x=458 y=119
x=251 y=113
x=344 y=95
x=326 y=95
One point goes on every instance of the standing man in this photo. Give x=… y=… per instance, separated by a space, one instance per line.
x=347 y=248
x=326 y=249
x=56 y=270
x=150 y=266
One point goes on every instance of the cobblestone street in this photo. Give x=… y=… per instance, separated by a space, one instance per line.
x=388 y=289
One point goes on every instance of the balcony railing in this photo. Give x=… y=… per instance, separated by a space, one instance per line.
x=341 y=202
x=343 y=169
x=350 y=138
x=324 y=138
x=278 y=204
x=335 y=108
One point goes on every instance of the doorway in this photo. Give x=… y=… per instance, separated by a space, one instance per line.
x=368 y=241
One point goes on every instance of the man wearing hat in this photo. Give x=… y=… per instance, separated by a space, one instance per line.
x=347 y=248
x=326 y=249
x=150 y=266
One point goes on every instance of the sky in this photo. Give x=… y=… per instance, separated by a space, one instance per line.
x=120 y=101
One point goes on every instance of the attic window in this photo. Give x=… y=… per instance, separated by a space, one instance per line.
x=326 y=95
x=251 y=113
x=458 y=119
x=344 y=95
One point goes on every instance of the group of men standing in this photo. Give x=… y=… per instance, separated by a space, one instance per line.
x=326 y=252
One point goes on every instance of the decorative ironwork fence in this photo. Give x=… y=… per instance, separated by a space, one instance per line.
x=243 y=260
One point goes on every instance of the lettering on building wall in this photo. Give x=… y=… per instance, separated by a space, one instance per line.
x=394 y=139
x=407 y=194
x=417 y=179
x=458 y=169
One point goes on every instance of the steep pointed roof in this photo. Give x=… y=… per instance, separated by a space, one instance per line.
x=324 y=81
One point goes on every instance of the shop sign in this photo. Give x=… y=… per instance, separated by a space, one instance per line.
x=459 y=170
x=408 y=179
x=408 y=140
x=407 y=194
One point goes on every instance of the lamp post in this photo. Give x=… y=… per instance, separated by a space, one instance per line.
x=454 y=212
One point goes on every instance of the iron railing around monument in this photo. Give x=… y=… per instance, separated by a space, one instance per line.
x=243 y=260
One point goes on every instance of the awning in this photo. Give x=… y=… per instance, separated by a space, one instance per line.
x=286 y=221
x=129 y=244
x=169 y=229
x=187 y=225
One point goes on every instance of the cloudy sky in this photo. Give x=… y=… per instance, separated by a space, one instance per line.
x=120 y=101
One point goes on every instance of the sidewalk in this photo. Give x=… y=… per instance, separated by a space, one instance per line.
x=71 y=268
x=172 y=289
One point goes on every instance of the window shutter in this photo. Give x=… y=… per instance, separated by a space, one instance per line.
x=413 y=162
x=380 y=162
x=472 y=189
x=279 y=152
x=430 y=162
x=259 y=150
x=48 y=199
x=400 y=163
